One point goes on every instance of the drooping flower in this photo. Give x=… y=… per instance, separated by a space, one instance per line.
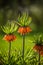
x=24 y=30
x=38 y=47
x=9 y=38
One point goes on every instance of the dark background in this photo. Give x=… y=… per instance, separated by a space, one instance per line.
x=10 y=9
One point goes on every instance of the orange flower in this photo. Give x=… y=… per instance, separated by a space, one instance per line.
x=39 y=49
x=9 y=38
x=24 y=30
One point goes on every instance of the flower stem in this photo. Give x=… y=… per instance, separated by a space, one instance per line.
x=23 y=48
x=9 y=53
x=39 y=58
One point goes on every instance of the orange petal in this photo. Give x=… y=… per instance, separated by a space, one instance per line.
x=41 y=53
x=28 y=29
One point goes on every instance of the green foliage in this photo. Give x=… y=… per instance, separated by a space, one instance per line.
x=9 y=27
x=24 y=20
x=38 y=40
x=16 y=58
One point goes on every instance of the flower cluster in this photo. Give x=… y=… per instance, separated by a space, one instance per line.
x=39 y=49
x=9 y=37
x=24 y=30
x=39 y=45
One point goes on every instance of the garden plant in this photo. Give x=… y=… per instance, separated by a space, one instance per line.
x=16 y=57
x=9 y=36
x=23 y=22
x=38 y=47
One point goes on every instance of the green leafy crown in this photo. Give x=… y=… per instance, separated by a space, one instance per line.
x=9 y=27
x=38 y=40
x=24 y=19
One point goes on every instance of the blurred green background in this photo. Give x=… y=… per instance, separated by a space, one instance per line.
x=10 y=9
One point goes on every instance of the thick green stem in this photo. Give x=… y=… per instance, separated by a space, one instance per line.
x=23 y=48
x=9 y=53
x=39 y=58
